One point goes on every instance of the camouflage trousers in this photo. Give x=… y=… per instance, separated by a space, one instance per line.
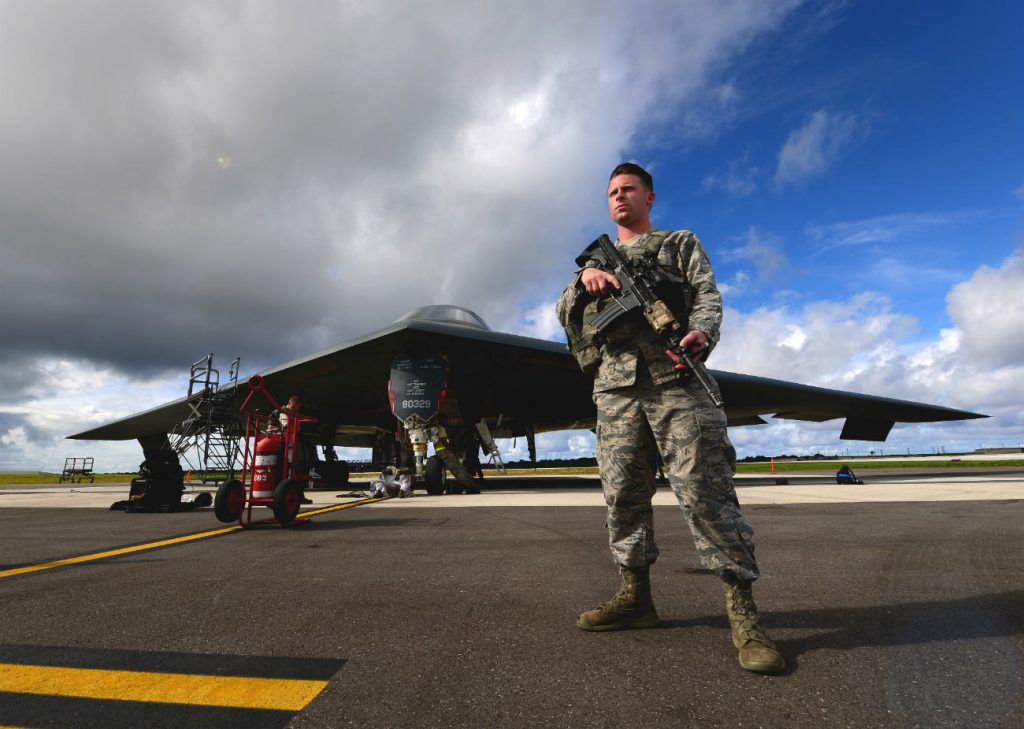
x=634 y=424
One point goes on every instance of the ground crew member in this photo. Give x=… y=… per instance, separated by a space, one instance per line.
x=644 y=409
x=305 y=451
x=391 y=484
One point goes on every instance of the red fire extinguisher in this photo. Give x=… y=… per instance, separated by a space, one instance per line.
x=266 y=469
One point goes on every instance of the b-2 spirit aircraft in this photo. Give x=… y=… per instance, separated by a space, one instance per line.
x=440 y=375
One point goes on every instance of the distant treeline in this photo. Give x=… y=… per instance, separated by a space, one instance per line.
x=555 y=463
x=833 y=457
x=786 y=457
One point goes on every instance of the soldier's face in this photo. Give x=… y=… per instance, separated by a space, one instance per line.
x=628 y=200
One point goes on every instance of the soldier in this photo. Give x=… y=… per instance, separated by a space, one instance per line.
x=305 y=451
x=646 y=408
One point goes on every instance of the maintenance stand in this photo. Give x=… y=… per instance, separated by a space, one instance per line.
x=75 y=469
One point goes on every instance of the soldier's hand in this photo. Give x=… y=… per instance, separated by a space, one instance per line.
x=696 y=345
x=596 y=281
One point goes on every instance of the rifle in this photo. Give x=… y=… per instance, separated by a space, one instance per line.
x=638 y=295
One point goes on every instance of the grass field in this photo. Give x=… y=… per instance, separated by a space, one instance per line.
x=42 y=477
x=7 y=477
x=791 y=466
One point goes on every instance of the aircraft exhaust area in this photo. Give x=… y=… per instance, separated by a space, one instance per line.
x=898 y=603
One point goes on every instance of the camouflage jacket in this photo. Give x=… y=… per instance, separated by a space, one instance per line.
x=680 y=253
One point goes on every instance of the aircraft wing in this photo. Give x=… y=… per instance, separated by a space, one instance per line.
x=529 y=383
x=868 y=417
x=526 y=380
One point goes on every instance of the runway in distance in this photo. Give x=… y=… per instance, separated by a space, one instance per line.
x=439 y=374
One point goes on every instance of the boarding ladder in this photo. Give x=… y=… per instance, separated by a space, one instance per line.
x=208 y=438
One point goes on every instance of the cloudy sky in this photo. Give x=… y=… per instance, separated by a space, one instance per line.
x=184 y=177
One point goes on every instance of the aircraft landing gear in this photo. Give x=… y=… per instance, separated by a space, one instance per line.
x=435 y=476
x=416 y=391
x=333 y=474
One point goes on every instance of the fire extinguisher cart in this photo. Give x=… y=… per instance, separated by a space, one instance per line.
x=269 y=475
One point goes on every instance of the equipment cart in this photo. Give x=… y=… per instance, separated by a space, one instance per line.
x=269 y=474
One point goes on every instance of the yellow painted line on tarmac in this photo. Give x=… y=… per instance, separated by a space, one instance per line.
x=114 y=552
x=162 y=543
x=283 y=694
x=349 y=505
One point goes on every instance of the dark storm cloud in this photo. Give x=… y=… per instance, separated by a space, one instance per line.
x=17 y=376
x=268 y=179
x=185 y=175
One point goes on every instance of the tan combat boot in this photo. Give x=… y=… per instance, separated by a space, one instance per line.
x=756 y=651
x=631 y=607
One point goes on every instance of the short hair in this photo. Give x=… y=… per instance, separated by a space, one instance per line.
x=631 y=168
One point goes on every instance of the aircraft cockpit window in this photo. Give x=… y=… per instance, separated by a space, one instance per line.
x=446 y=314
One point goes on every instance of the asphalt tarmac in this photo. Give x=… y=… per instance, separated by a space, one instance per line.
x=459 y=612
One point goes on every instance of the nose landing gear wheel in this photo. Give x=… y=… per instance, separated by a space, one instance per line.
x=435 y=477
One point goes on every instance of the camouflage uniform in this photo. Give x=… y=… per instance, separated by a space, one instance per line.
x=644 y=409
